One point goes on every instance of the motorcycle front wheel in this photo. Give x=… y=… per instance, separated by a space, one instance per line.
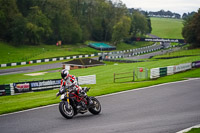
x=96 y=107
x=66 y=112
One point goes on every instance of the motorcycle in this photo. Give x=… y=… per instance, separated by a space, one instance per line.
x=71 y=104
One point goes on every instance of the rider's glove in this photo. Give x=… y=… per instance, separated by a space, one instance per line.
x=57 y=94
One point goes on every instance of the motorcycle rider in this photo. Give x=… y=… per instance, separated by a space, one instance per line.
x=71 y=82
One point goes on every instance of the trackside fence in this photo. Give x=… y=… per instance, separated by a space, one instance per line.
x=124 y=76
x=137 y=74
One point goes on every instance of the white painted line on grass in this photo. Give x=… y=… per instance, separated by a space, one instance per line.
x=104 y=95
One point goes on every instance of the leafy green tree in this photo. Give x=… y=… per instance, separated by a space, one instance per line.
x=64 y=26
x=121 y=30
x=94 y=17
x=139 y=24
x=25 y=5
x=8 y=12
x=38 y=26
x=18 y=31
x=148 y=22
x=191 y=30
x=49 y=21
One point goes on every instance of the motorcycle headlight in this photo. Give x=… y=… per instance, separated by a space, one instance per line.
x=62 y=96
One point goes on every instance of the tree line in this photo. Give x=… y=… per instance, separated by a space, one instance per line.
x=191 y=29
x=71 y=21
x=163 y=13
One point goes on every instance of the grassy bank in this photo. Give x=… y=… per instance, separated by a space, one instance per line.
x=10 y=54
x=104 y=85
x=180 y=53
x=167 y=27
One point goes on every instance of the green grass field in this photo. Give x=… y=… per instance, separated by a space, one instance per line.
x=104 y=85
x=10 y=54
x=107 y=70
x=179 y=53
x=167 y=27
x=194 y=130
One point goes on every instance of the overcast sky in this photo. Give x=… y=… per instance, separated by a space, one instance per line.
x=177 y=6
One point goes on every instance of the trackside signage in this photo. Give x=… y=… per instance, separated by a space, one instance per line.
x=21 y=87
x=158 y=40
x=36 y=85
x=41 y=85
x=90 y=79
x=182 y=67
x=46 y=84
x=196 y=64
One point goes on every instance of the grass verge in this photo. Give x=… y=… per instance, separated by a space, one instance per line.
x=161 y=28
x=194 y=130
x=36 y=99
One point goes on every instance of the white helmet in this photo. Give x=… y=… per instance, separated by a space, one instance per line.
x=64 y=73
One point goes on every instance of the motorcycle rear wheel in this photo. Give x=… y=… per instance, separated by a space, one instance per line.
x=67 y=113
x=96 y=108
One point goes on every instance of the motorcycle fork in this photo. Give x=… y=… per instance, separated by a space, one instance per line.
x=67 y=102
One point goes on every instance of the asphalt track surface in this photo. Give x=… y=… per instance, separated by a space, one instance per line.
x=165 y=108
x=149 y=55
x=30 y=68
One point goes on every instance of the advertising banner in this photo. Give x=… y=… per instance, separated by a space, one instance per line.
x=182 y=67
x=196 y=64
x=21 y=87
x=158 y=40
x=2 y=90
x=90 y=79
x=45 y=84
x=163 y=71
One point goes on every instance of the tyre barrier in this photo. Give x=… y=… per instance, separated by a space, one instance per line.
x=169 y=70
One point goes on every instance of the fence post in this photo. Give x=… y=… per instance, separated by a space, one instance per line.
x=133 y=74
x=147 y=73
x=114 y=77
